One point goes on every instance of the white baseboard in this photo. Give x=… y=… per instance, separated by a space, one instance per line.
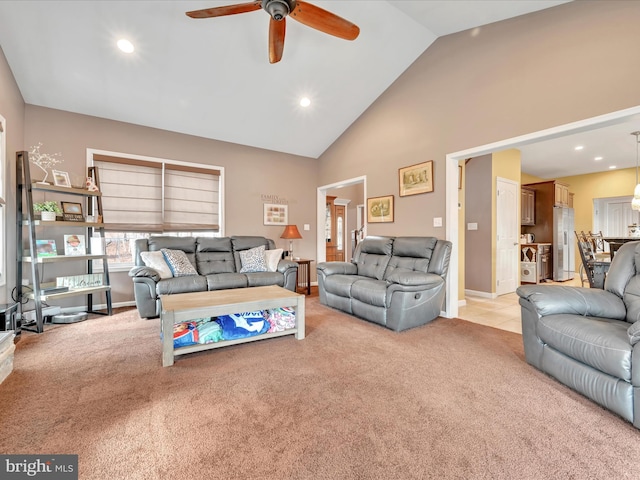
x=476 y=293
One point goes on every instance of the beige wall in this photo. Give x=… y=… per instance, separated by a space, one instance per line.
x=468 y=89
x=249 y=172
x=478 y=209
x=12 y=109
x=472 y=88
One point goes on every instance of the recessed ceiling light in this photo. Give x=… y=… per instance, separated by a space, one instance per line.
x=612 y=167
x=125 y=45
x=305 y=102
x=597 y=159
x=579 y=147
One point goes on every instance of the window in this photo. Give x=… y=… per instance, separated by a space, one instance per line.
x=144 y=196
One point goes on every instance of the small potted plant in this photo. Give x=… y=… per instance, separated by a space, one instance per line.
x=47 y=210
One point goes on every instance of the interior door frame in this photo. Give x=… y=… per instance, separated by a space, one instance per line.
x=321 y=201
x=451 y=183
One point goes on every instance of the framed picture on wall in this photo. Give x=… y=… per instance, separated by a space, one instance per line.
x=416 y=179
x=275 y=214
x=380 y=209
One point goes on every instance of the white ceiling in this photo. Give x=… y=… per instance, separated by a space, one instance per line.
x=212 y=78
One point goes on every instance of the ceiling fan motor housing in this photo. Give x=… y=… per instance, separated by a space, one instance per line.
x=278 y=9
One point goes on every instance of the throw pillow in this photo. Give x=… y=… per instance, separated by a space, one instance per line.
x=156 y=261
x=178 y=263
x=252 y=260
x=272 y=257
x=634 y=333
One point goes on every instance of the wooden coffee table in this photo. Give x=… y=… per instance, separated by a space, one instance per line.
x=183 y=307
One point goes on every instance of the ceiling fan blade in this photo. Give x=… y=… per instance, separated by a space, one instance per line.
x=327 y=22
x=276 y=39
x=226 y=10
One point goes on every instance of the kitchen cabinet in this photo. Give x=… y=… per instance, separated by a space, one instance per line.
x=561 y=194
x=548 y=194
x=527 y=206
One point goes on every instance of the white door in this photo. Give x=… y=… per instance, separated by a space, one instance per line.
x=612 y=216
x=507 y=236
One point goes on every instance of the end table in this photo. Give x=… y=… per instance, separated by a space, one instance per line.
x=304 y=273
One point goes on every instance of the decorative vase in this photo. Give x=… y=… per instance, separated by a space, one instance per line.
x=48 y=216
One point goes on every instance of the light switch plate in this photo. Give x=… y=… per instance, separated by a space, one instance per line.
x=306 y=227
x=472 y=226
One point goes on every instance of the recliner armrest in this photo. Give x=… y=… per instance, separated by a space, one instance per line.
x=337 y=268
x=413 y=279
x=146 y=272
x=284 y=265
x=556 y=299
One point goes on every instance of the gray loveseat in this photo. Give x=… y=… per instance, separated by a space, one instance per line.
x=586 y=337
x=218 y=265
x=397 y=282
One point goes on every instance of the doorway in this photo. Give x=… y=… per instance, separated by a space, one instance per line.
x=343 y=195
x=451 y=183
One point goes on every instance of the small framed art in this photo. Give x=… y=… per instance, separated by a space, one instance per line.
x=380 y=209
x=416 y=179
x=61 y=179
x=72 y=212
x=46 y=248
x=275 y=214
x=74 y=245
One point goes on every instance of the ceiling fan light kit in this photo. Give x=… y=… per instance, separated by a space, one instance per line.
x=278 y=10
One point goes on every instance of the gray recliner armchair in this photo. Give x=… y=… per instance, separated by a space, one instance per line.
x=588 y=338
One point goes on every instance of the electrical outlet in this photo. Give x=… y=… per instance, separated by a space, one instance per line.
x=307 y=226
x=437 y=221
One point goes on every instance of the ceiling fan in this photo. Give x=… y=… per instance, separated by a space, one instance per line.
x=303 y=12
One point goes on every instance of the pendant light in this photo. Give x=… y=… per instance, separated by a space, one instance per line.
x=635 y=203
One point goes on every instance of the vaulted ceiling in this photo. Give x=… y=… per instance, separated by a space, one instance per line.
x=212 y=77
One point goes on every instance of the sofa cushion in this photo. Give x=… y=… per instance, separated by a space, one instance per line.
x=272 y=258
x=246 y=242
x=373 y=256
x=598 y=342
x=156 y=261
x=262 y=279
x=192 y=283
x=178 y=263
x=340 y=284
x=214 y=255
x=369 y=291
x=410 y=254
x=252 y=260
x=223 y=281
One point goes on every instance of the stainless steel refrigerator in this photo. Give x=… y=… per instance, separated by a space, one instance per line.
x=563 y=244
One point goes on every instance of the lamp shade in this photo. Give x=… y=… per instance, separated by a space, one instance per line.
x=290 y=232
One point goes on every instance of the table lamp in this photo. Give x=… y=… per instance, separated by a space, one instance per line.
x=290 y=233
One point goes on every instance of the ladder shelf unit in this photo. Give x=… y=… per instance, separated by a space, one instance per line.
x=27 y=223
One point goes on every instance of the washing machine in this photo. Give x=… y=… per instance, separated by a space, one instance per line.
x=528 y=272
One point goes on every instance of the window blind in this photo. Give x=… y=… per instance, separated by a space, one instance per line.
x=149 y=196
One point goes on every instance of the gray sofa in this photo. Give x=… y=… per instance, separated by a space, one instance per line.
x=217 y=262
x=586 y=337
x=397 y=282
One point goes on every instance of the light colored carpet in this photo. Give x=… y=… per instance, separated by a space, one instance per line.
x=352 y=401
